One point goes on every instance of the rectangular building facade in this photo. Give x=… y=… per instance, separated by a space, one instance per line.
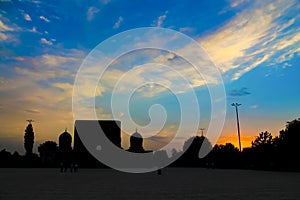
x=111 y=129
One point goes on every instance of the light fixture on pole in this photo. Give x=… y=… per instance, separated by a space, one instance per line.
x=202 y=129
x=236 y=105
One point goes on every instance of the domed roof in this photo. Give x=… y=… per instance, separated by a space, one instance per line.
x=65 y=134
x=136 y=134
x=65 y=137
x=136 y=143
x=65 y=140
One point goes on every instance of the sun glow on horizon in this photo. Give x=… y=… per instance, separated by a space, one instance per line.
x=255 y=45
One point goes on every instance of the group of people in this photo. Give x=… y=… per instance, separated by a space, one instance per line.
x=64 y=167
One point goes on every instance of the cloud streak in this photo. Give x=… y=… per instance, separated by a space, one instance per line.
x=34 y=111
x=42 y=91
x=160 y=20
x=239 y=92
x=91 y=12
x=45 y=19
x=3 y=31
x=118 y=23
x=47 y=42
x=253 y=38
x=27 y=17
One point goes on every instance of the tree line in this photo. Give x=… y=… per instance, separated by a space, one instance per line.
x=266 y=152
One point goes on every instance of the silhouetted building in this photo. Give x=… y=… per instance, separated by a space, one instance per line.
x=111 y=129
x=65 y=142
x=65 y=150
x=136 y=143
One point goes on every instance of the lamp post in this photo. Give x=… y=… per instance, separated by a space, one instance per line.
x=236 y=105
x=202 y=129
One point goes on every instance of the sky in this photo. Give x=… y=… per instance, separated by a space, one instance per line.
x=255 y=45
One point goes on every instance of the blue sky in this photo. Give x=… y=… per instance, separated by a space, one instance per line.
x=255 y=45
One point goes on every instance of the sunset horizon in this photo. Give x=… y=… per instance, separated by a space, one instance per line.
x=148 y=99
x=253 y=45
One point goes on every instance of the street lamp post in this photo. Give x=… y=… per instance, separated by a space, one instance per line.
x=238 y=123
x=202 y=129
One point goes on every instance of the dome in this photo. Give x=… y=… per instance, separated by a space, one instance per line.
x=137 y=135
x=65 y=135
x=136 y=142
x=65 y=140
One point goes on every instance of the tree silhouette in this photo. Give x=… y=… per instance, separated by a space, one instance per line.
x=160 y=156
x=263 y=151
x=48 y=153
x=262 y=140
x=192 y=146
x=224 y=156
x=29 y=139
x=291 y=135
x=5 y=158
x=190 y=157
x=174 y=153
x=287 y=146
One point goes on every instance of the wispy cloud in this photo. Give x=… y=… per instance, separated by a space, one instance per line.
x=39 y=75
x=105 y=1
x=236 y=3
x=3 y=29
x=91 y=12
x=254 y=106
x=3 y=36
x=179 y=79
x=65 y=87
x=239 y=92
x=45 y=19
x=34 y=111
x=27 y=17
x=160 y=20
x=180 y=75
x=49 y=107
x=45 y=41
x=187 y=30
x=42 y=91
x=33 y=30
x=118 y=23
x=47 y=66
x=58 y=60
x=254 y=37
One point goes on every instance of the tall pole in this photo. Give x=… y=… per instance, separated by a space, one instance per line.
x=202 y=129
x=236 y=105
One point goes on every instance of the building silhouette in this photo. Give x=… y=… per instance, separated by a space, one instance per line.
x=65 y=142
x=65 y=150
x=136 y=143
x=111 y=129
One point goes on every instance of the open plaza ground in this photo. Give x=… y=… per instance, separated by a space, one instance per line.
x=174 y=183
